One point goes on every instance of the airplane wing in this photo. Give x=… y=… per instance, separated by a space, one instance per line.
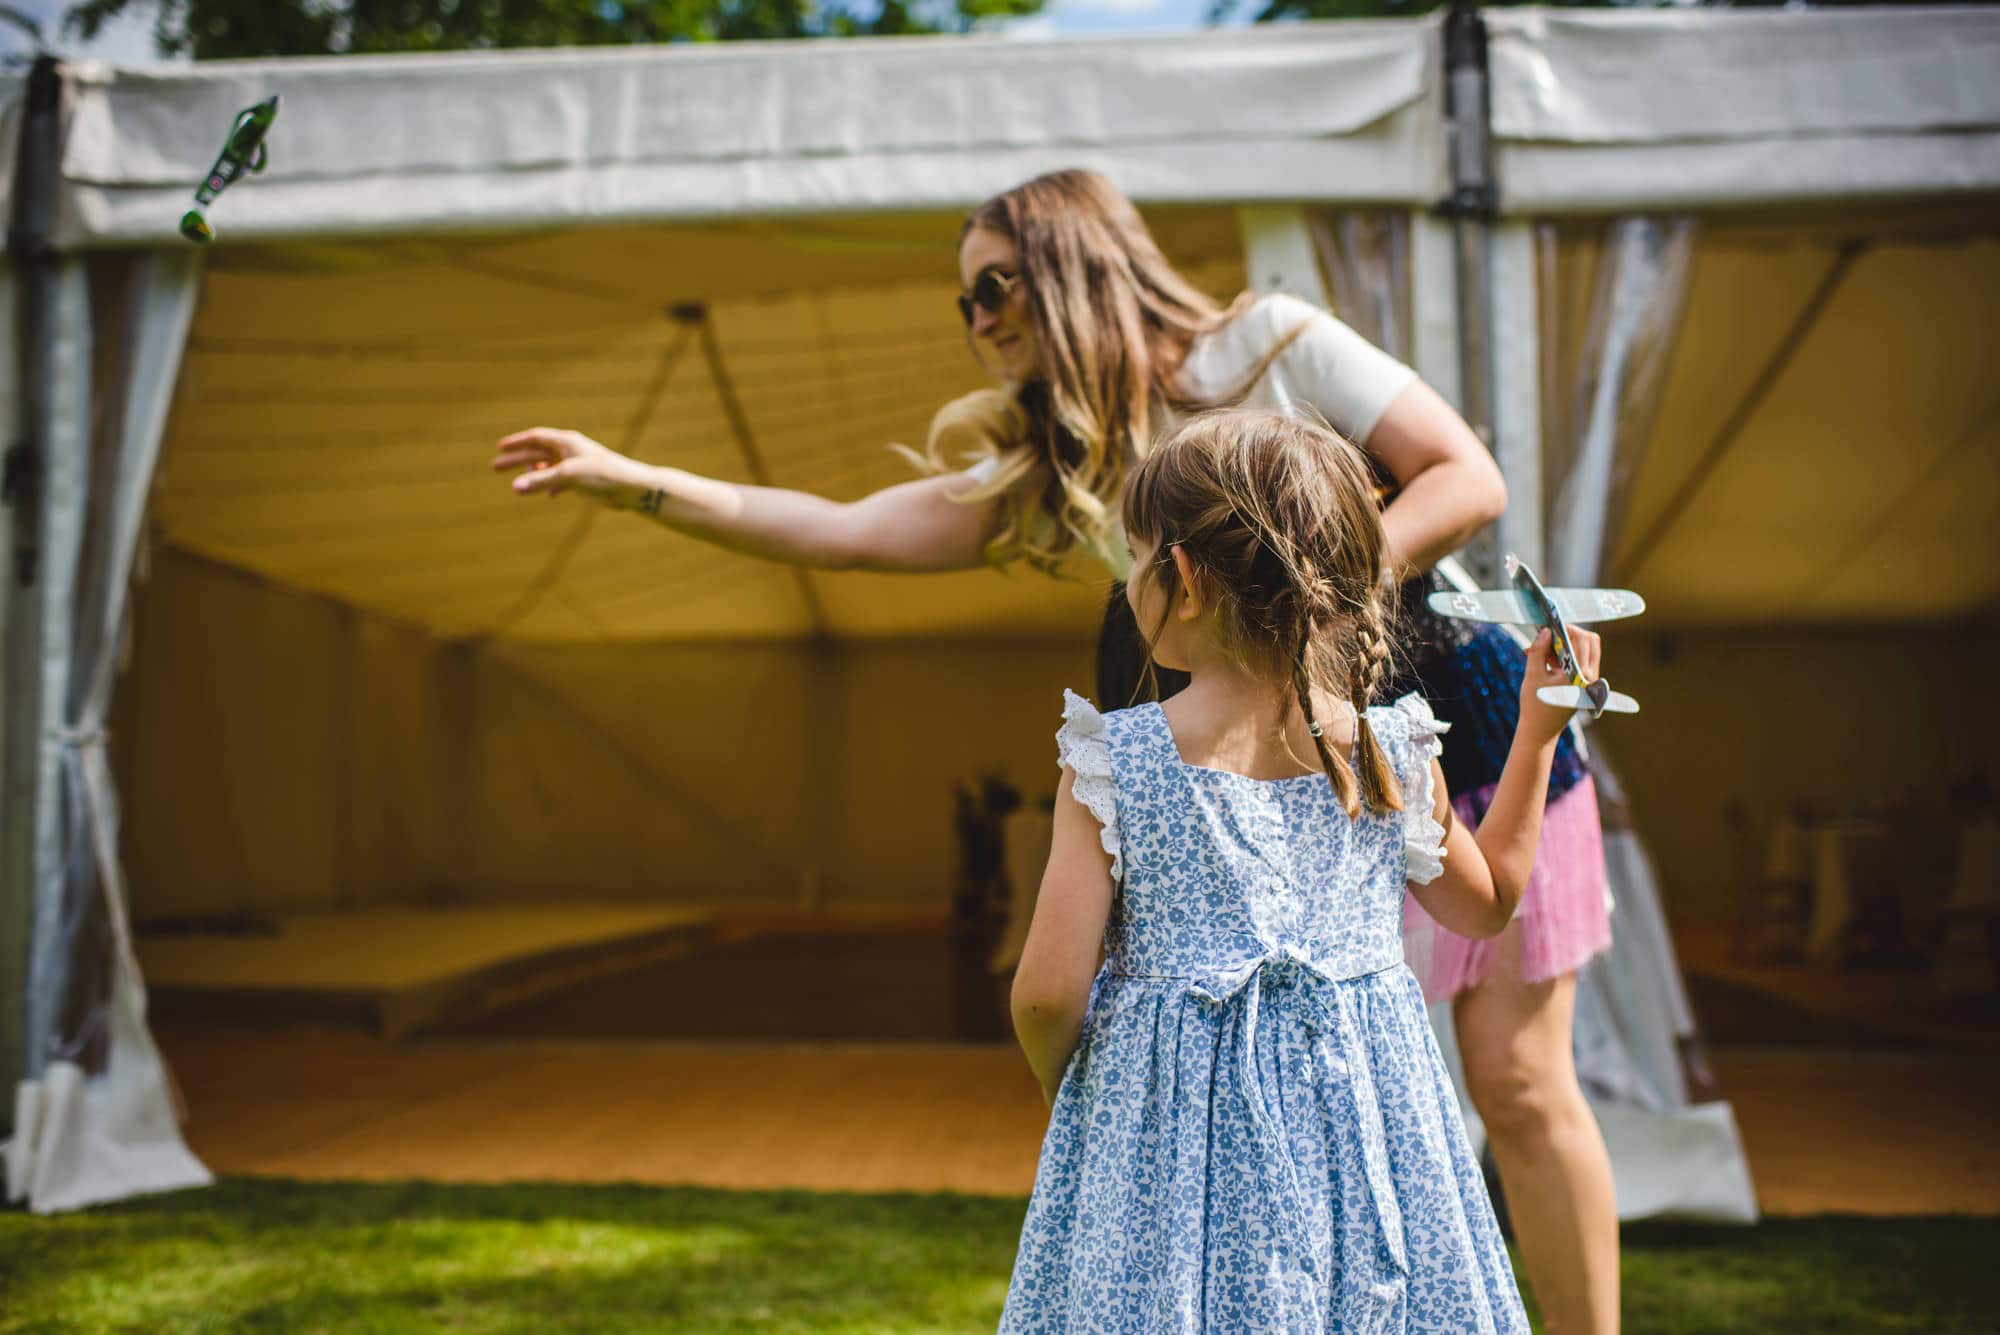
x=1503 y=605
x=1585 y=606
x=1581 y=698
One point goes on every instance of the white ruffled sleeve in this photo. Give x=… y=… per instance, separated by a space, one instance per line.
x=1423 y=837
x=1083 y=745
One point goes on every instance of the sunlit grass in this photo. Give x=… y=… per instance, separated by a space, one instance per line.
x=287 y=1256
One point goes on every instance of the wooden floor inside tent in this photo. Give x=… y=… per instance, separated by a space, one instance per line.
x=610 y=1044
x=1826 y=1130
x=874 y=1117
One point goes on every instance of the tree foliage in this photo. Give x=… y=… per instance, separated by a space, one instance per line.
x=219 y=29
x=1272 y=10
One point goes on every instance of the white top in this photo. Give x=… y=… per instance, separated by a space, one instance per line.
x=1328 y=368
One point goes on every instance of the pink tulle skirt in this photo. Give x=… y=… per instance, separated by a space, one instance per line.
x=1563 y=917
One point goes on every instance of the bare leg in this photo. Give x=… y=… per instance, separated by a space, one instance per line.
x=1515 y=1041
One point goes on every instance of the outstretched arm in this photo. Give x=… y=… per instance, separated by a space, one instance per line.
x=1052 y=984
x=1485 y=873
x=913 y=526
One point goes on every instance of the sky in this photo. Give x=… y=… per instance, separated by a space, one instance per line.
x=130 y=40
x=1061 y=17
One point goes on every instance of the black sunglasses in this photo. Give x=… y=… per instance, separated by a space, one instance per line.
x=989 y=293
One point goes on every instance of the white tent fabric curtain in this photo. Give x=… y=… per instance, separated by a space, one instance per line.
x=1633 y=1021
x=1635 y=1031
x=95 y=1116
x=1603 y=384
x=1364 y=255
x=1600 y=409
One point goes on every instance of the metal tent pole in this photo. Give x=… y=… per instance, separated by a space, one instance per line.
x=1472 y=206
x=33 y=262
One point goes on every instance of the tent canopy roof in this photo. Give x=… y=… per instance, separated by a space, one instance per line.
x=1592 y=112
x=470 y=142
x=1634 y=111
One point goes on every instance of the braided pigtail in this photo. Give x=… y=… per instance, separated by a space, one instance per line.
x=1379 y=788
x=1338 y=773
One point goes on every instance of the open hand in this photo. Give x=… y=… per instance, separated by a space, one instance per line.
x=551 y=461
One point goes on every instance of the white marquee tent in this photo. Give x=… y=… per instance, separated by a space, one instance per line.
x=738 y=259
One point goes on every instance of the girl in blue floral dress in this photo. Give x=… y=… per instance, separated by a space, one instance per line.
x=1251 y=1127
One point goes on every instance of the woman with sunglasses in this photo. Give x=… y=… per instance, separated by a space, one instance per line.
x=1103 y=348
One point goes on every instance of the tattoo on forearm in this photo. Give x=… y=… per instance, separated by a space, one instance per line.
x=651 y=501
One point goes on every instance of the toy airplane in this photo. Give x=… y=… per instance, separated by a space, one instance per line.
x=1529 y=604
x=242 y=152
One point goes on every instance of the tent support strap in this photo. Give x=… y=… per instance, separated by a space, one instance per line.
x=1868 y=534
x=552 y=570
x=746 y=445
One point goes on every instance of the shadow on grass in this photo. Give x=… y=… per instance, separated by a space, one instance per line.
x=1827 y=1273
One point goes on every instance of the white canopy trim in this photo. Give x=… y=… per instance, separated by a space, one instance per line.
x=502 y=140
x=1592 y=112
x=1666 y=110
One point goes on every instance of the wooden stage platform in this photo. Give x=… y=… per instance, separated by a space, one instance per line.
x=389 y=971
x=587 y=971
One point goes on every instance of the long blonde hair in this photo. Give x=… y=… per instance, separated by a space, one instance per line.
x=1114 y=324
x=1278 y=519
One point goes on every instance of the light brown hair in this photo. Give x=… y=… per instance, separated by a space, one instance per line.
x=1278 y=518
x=1113 y=323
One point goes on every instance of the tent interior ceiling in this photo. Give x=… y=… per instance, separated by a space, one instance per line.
x=1828 y=444
x=1828 y=449
x=339 y=405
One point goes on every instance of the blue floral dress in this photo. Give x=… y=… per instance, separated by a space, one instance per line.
x=1256 y=1132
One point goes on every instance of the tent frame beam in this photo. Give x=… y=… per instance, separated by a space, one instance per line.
x=552 y=570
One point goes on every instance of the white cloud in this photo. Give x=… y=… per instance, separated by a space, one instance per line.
x=1163 y=9
x=1080 y=16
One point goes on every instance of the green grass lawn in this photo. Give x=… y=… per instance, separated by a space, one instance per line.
x=289 y=1256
